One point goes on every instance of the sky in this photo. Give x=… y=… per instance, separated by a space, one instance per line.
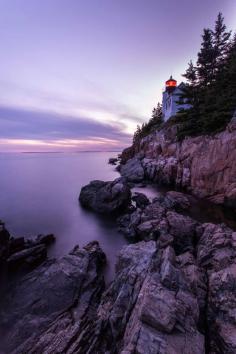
x=79 y=75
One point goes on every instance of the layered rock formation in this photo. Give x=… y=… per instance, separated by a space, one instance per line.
x=50 y=309
x=205 y=165
x=173 y=292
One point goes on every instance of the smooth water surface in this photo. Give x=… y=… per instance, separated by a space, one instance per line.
x=39 y=195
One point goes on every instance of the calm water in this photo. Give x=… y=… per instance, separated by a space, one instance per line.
x=39 y=194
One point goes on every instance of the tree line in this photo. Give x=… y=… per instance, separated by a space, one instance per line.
x=210 y=88
x=211 y=84
x=153 y=124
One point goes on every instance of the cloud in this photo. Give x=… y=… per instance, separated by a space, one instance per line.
x=24 y=124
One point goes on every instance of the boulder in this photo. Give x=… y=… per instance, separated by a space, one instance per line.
x=106 y=197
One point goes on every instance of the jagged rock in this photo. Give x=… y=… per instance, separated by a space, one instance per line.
x=20 y=253
x=45 y=239
x=47 y=310
x=178 y=201
x=28 y=257
x=140 y=200
x=138 y=314
x=158 y=219
x=204 y=165
x=106 y=197
x=216 y=253
x=133 y=170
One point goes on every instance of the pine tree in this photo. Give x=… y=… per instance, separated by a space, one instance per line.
x=206 y=59
x=189 y=95
x=211 y=86
x=137 y=134
x=157 y=116
x=191 y=74
x=220 y=42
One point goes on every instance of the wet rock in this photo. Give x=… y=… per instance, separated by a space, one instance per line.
x=106 y=197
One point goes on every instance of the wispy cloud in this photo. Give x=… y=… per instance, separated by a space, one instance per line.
x=32 y=128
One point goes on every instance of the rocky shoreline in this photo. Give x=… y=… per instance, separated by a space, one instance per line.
x=173 y=292
x=204 y=166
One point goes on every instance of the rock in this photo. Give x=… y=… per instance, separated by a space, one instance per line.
x=113 y=160
x=178 y=201
x=216 y=253
x=106 y=197
x=20 y=255
x=183 y=229
x=45 y=239
x=28 y=257
x=16 y=244
x=140 y=200
x=138 y=314
x=49 y=309
x=203 y=165
x=4 y=242
x=157 y=219
x=132 y=170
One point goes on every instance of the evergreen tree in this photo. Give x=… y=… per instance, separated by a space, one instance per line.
x=206 y=59
x=137 y=134
x=191 y=74
x=146 y=128
x=220 y=42
x=189 y=118
x=157 y=116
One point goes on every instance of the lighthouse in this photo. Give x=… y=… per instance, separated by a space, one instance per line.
x=171 y=97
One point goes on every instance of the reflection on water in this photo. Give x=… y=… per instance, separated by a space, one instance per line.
x=39 y=194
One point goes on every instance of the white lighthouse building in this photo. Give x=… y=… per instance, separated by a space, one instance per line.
x=170 y=99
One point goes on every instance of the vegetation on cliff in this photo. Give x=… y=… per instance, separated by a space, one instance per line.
x=211 y=84
x=153 y=124
x=210 y=88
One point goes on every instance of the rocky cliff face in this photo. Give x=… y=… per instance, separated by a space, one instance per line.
x=205 y=165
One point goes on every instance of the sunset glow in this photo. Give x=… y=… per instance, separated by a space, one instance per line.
x=82 y=75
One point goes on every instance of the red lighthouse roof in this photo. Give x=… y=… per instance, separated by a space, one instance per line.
x=171 y=82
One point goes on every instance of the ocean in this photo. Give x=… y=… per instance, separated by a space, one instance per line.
x=39 y=195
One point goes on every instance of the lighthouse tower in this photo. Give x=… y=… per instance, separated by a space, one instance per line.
x=170 y=99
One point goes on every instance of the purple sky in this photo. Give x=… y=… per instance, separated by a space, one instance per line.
x=81 y=74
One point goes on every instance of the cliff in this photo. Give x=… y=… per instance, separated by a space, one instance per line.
x=203 y=165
